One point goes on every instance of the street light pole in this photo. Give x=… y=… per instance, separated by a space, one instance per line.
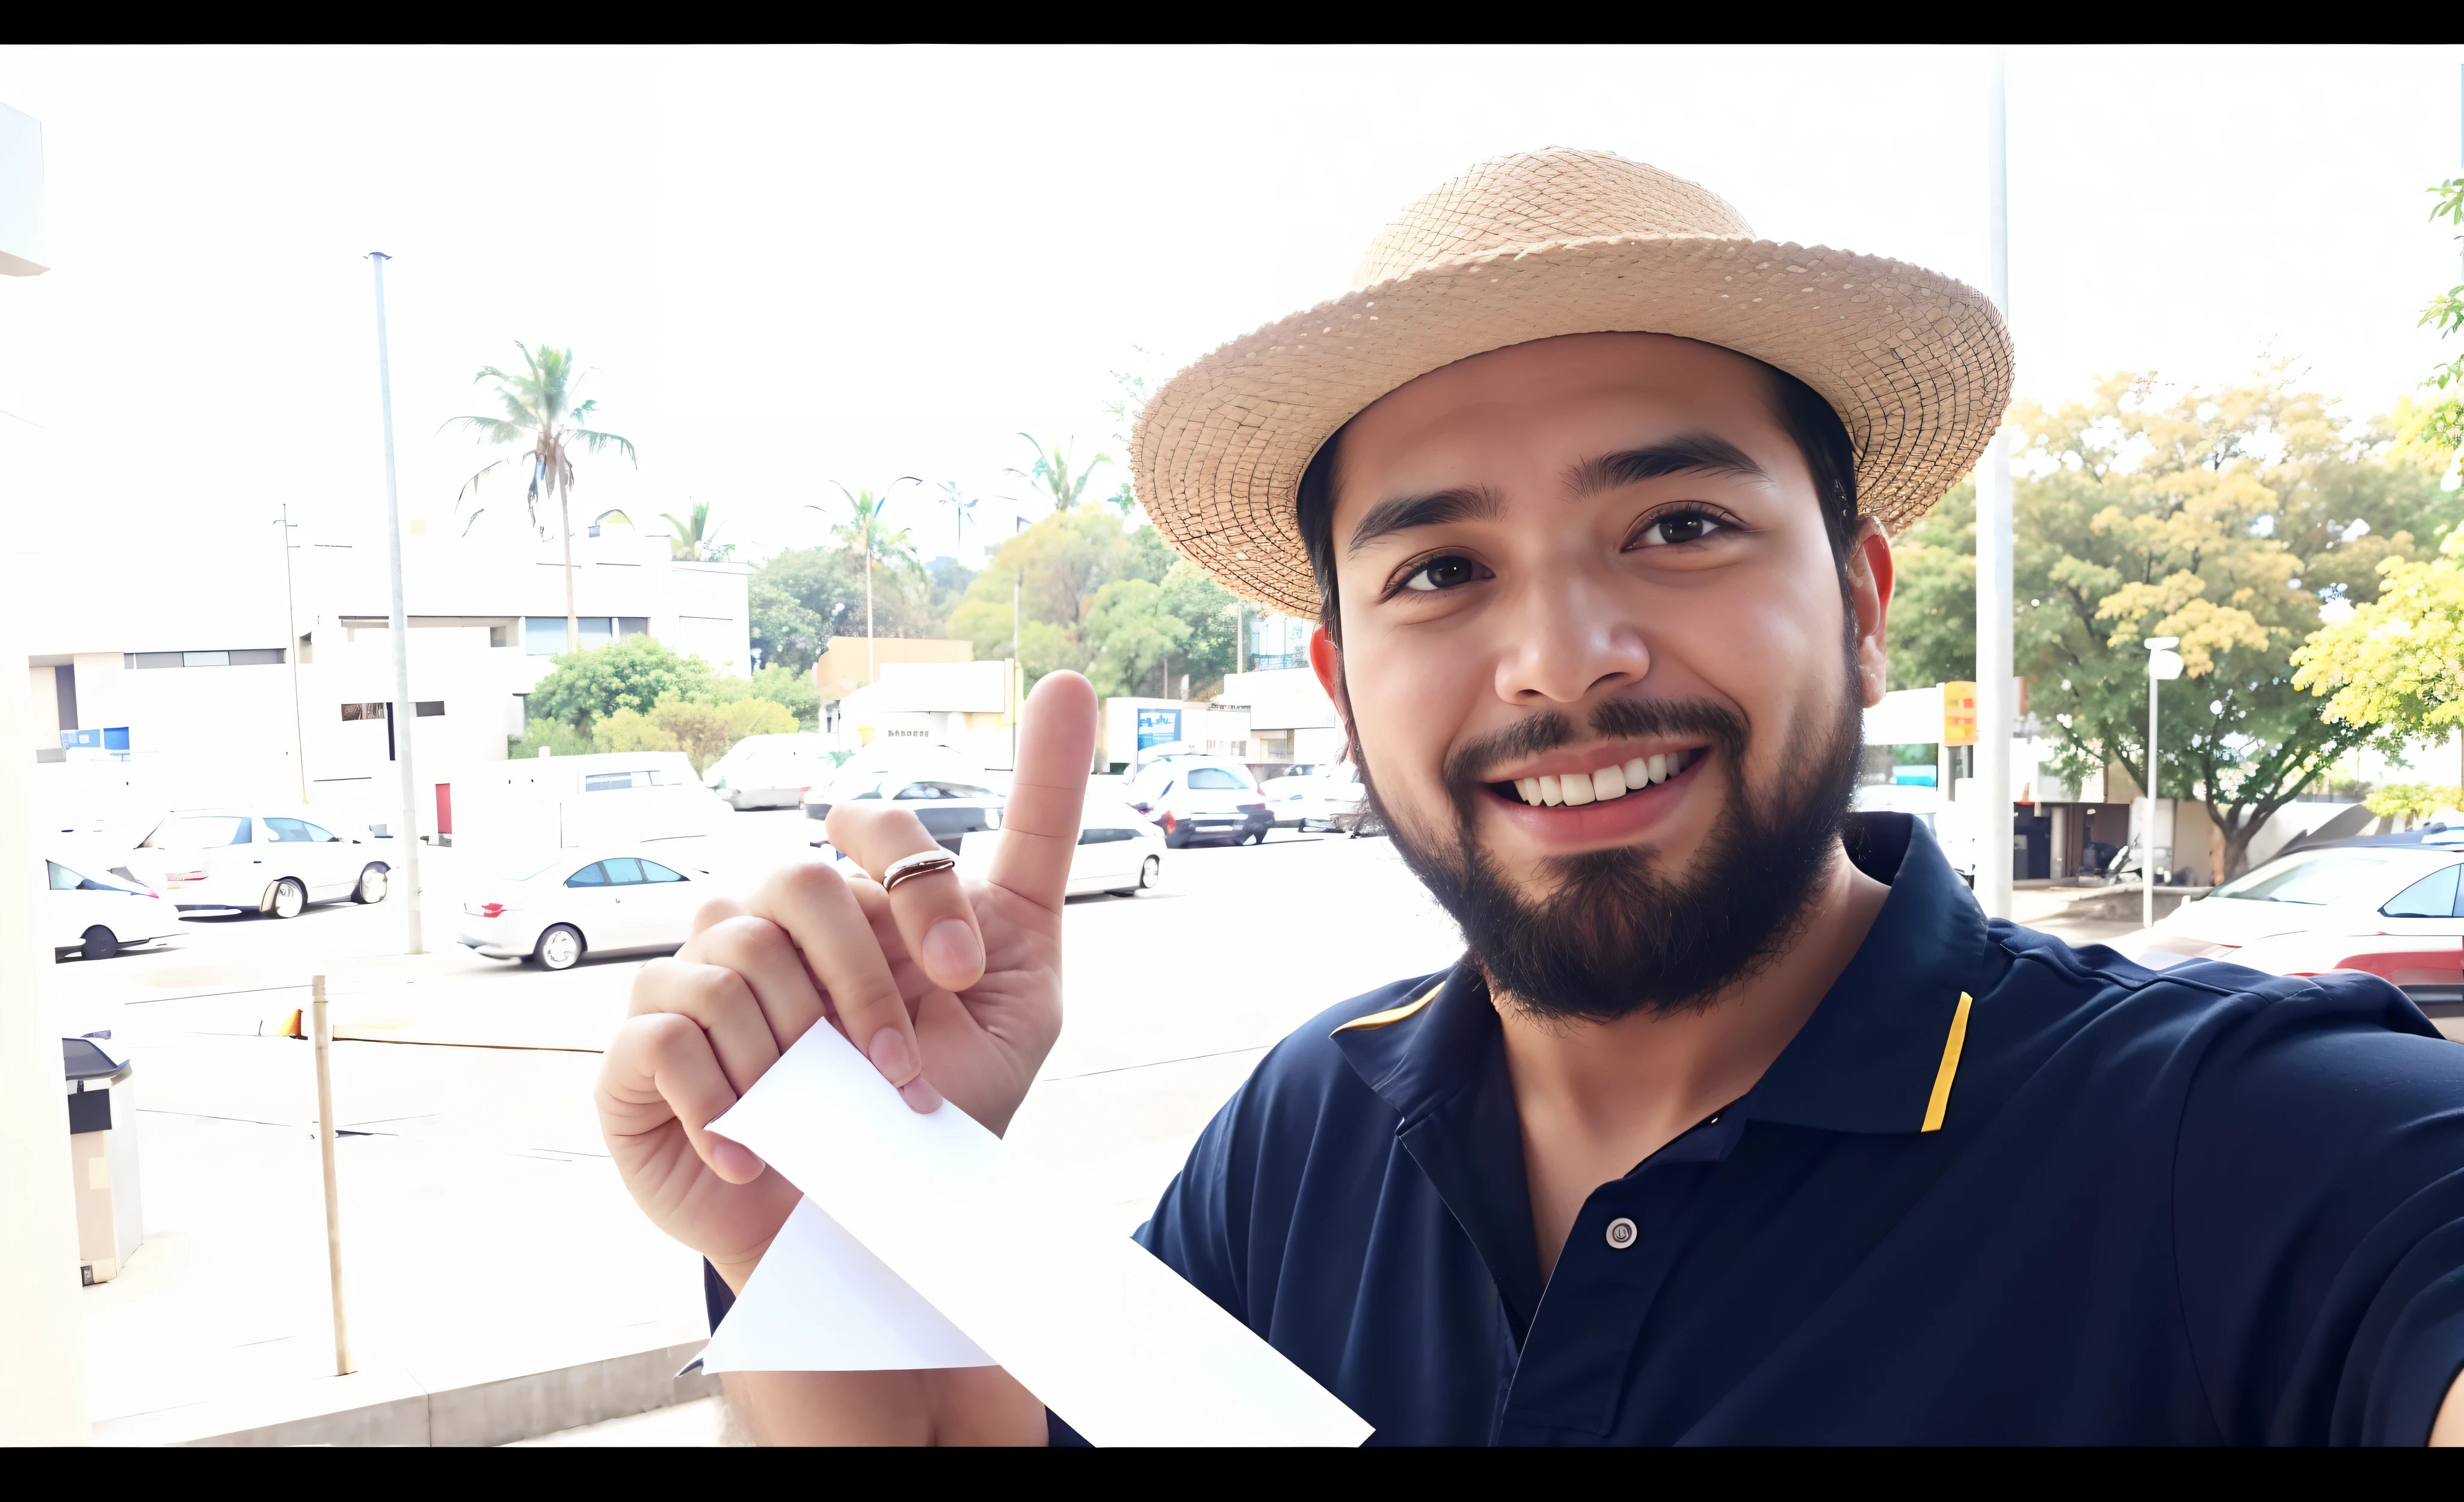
x=291 y=655
x=405 y=712
x=2164 y=665
x=1995 y=706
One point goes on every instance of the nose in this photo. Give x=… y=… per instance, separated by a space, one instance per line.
x=1567 y=640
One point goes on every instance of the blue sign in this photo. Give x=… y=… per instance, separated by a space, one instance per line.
x=1157 y=727
x=1913 y=776
x=73 y=739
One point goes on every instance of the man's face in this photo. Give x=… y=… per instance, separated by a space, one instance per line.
x=1588 y=564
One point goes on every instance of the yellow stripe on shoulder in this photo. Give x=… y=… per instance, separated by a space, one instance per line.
x=1392 y=1014
x=1948 y=1071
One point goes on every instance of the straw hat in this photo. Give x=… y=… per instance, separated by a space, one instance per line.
x=1566 y=242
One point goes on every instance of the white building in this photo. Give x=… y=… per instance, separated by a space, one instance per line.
x=1290 y=718
x=184 y=669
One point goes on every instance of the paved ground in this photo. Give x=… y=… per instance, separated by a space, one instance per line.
x=484 y=1228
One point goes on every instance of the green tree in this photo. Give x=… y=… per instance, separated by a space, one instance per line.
x=2228 y=517
x=1053 y=476
x=2445 y=426
x=1060 y=563
x=1208 y=611
x=774 y=684
x=865 y=534
x=1129 y=397
x=1131 y=638
x=554 y=737
x=800 y=600
x=539 y=413
x=586 y=686
x=1933 y=595
x=2396 y=661
x=695 y=540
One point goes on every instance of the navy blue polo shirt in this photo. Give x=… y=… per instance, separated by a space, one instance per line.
x=1996 y=1191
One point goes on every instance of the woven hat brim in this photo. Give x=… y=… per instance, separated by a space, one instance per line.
x=1918 y=366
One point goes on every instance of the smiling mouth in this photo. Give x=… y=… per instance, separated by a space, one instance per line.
x=1575 y=789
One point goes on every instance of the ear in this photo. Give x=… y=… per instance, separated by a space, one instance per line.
x=1326 y=660
x=1869 y=596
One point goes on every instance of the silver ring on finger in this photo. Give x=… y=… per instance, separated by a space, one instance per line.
x=922 y=863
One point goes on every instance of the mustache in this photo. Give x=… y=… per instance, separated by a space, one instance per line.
x=1610 y=720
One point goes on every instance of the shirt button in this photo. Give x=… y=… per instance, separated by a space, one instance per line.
x=1621 y=1233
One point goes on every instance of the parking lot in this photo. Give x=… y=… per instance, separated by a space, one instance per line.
x=484 y=1229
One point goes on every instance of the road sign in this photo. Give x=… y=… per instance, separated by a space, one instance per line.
x=1959 y=713
x=1156 y=727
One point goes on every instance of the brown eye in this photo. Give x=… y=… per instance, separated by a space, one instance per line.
x=1678 y=526
x=1444 y=572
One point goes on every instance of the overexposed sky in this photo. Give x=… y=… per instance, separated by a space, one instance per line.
x=795 y=266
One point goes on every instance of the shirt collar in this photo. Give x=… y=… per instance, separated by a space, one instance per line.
x=1867 y=1060
x=1879 y=1051
x=1873 y=1055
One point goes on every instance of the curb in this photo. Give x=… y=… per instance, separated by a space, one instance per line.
x=393 y=1408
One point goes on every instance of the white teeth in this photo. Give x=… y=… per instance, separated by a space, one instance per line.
x=1575 y=789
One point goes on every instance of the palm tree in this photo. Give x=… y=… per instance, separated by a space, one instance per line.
x=1051 y=473
x=955 y=497
x=541 y=414
x=863 y=532
x=693 y=540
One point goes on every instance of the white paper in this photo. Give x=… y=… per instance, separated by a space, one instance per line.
x=1109 y=1339
x=819 y=1302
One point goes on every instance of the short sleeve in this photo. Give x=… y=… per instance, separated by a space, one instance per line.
x=2318 y=1216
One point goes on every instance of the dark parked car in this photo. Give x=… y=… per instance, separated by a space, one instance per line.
x=951 y=809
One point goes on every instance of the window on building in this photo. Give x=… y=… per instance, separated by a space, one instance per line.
x=544 y=636
x=634 y=625
x=365 y=710
x=237 y=657
x=428 y=708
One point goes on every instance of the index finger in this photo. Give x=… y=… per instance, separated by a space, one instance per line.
x=1056 y=741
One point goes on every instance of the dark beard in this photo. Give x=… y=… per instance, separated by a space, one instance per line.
x=1615 y=935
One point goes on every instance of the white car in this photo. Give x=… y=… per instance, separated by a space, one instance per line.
x=96 y=917
x=1329 y=795
x=1118 y=852
x=585 y=902
x=770 y=771
x=236 y=860
x=1200 y=798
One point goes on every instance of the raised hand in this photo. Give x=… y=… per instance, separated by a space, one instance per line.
x=951 y=987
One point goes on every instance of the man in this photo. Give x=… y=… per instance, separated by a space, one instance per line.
x=1737 y=1122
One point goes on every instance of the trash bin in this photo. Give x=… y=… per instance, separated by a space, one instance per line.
x=102 y=1155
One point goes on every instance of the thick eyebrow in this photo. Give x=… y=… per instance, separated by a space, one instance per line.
x=1403 y=513
x=1698 y=453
